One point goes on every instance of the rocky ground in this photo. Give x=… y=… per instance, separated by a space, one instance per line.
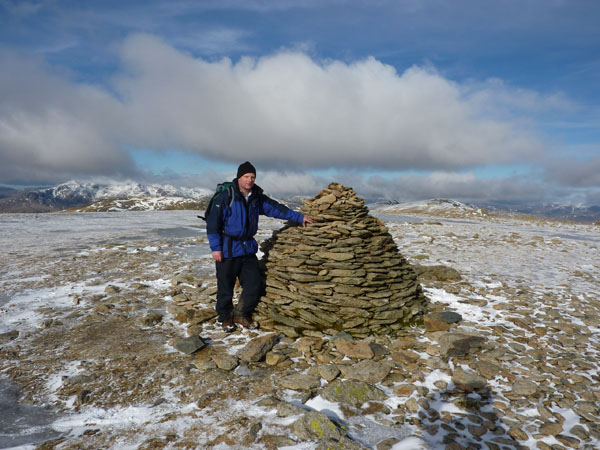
x=120 y=338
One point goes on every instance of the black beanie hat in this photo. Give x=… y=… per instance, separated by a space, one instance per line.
x=245 y=168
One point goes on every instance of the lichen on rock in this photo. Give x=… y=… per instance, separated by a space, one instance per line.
x=342 y=273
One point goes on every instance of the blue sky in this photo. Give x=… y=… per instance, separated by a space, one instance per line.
x=474 y=100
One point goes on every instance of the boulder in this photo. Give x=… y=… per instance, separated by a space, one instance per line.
x=299 y=382
x=190 y=344
x=257 y=348
x=458 y=344
x=353 y=393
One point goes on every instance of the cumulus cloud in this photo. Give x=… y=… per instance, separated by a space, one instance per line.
x=52 y=129
x=285 y=112
x=291 y=110
x=575 y=173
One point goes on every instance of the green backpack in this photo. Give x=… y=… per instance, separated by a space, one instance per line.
x=221 y=187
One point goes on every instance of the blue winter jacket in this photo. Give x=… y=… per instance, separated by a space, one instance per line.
x=232 y=229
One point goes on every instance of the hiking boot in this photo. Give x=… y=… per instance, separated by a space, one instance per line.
x=246 y=322
x=228 y=326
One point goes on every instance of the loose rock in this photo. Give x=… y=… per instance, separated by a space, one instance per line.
x=257 y=348
x=190 y=344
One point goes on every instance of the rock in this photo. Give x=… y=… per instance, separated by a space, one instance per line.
x=257 y=348
x=518 y=434
x=254 y=430
x=354 y=349
x=190 y=344
x=551 y=429
x=328 y=371
x=440 y=321
x=225 y=361
x=468 y=381
x=82 y=397
x=299 y=382
x=405 y=356
x=569 y=441
x=487 y=369
x=110 y=289
x=524 y=388
x=587 y=407
x=351 y=392
x=203 y=315
x=274 y=358
x=458 y=344
x=180 y=313
x=203 y=365
x=580 y=432
x=387 y=444
x=405 y=390
x=277 y=440
x=78 y=379
x=285 y=409
x=309 y=344
x=315 y=425
x=343 y=442
x=378 y=349
x=102 y=308
x=183 y=279
x=151 y=319
x=412 y=405
x=8 y=336
x=367 y=370
x=437 y=273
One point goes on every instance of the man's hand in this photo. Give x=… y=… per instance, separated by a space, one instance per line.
x=306 y=220
x=218 y=255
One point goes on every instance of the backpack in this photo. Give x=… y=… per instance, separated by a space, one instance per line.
x=221 y=187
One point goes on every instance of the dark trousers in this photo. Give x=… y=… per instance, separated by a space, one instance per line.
x=244 y=268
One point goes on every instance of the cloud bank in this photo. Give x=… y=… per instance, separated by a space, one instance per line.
x=285 y=112
x=289 y=110
x=52 y=129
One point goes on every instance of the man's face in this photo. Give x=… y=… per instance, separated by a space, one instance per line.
x=246 y=182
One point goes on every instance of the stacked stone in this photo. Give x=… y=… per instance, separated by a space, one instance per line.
x=342 y=273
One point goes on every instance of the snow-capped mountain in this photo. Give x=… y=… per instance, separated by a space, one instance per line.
x=439 y=206
x=558 y=211
x=74 y=194
x=96 y=191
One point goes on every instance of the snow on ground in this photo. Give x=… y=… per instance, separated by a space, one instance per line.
x=494 y=256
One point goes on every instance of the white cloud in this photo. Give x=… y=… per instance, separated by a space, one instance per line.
x=52 y=129
x=576 y=173
x=284 y=111
x=288 y=109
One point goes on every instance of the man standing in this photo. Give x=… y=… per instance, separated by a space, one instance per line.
x=231 y=226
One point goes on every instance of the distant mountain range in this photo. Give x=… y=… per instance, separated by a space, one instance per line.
x=455 y=209
x=130 y=196
x=557 y=211
x=438 y=206
x=101 y=197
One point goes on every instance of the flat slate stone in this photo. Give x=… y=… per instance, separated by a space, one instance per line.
x=190 y=344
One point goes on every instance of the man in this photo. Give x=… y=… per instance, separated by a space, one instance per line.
x=231 y=227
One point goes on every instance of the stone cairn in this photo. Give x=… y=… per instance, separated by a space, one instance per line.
x=342 y=273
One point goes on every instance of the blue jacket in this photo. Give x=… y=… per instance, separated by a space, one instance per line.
x=232 y=229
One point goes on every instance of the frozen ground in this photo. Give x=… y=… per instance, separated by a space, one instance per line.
x=74 y=286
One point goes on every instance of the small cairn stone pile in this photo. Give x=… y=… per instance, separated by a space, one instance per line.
x=342 y=273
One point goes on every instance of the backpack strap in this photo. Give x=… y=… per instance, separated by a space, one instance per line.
x=230 y=191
